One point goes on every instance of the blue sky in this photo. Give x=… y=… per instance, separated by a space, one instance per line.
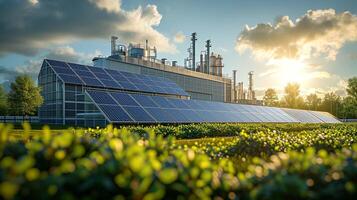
x=221 y=21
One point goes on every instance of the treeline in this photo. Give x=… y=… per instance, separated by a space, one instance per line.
x=23 y=99
x=342 y=107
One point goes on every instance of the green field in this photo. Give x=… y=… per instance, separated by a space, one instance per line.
x=196 y=161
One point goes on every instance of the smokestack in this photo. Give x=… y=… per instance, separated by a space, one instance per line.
x=193 y=40
x=250 y=86
x=201 y=63
x=208 y=46
x=234 y=85
x=113 y=44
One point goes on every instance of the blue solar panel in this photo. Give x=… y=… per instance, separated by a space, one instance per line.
x=142 y=87
x=136 y=81
x=92 y=81
x=144 y=109
x=124 y=99
x=70 y=79
x=94 y=76
x=110 y=84
x=115 y=113
x=56 y=63
x=144 y=101
x=83 y=73
x=138 y=114
x=62 y=70
x=162 y=102
x=128 y=86
x=191 y=115
x=100 y=97
x=78 y=67
x=179 y=103
x=161 y=115
x=102 y=76
x=96 y=70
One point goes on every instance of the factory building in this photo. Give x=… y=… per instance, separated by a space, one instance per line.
x=203 y=80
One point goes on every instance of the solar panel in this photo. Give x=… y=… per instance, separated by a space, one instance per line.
x=111 y=84
x=141 y=108
x=83 y=73
x=70 y=79
x=138 y=114
x=103 y=78
x=162 y=102
x=78 y=67
x=177 y=115
x=92 y=81
x=62 y=70
x=161 y=115
x=101 y=97
x=144 y=101
x=124 y=99
x=115 y=113
x=56 y=63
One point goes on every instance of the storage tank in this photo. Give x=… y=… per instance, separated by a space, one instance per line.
x=212 y=62
x=136 y=51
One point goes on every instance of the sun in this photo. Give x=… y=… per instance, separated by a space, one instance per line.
x=289 y=70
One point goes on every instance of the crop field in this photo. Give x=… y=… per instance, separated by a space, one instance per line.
x=195 y=161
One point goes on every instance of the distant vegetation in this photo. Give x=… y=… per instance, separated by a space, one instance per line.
x=295 y=162
x=344 y=108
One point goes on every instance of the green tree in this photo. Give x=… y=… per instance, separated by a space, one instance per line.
x=352 y=87
x=313 y=102
x=332 y=103
x=349 y=108
x=24 y=97
x=292 y=98
x=3 y=101
x=270 y=97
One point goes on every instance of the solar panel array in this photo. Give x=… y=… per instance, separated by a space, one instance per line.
x=138 y=108
x=106 y=78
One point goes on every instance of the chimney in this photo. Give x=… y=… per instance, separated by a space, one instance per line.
x=234 y=85
x=201 y=63
x=208 y=46
x=193 y=39
x=113 y=44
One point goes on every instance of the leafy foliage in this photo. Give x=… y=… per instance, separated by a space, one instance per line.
x=270 y=97
x=24 y=97
x=3 y=101
x=116 y=163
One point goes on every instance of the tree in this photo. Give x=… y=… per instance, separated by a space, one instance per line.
x=292 y=98
x=270 y=98
x=313 y=102
x=349 y=108
x=24 y=97
x=352 y=87
x=332 y=104
x=3 y=101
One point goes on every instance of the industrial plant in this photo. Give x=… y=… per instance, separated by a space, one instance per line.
x=203 y=79
x=133 y=86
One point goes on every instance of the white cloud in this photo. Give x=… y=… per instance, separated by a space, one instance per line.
x=179 y=37
x=316 y=33
x=108 y=5
x=34 y=28
x=32 y=67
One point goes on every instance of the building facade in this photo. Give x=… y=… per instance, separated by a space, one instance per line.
x=199 y=85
